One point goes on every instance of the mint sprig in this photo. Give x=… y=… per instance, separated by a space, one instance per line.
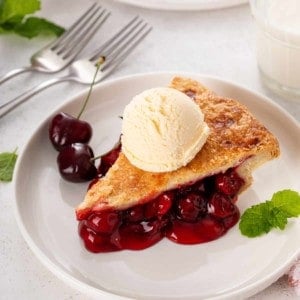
x=261 y=218
x=7 y=165
x=15 y=17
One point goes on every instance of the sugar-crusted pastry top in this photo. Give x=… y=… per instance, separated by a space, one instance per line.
x=236 y=138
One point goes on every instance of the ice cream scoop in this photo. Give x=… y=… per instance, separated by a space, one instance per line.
x=163 y=129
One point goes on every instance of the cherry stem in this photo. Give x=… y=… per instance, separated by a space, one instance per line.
x=99 y=156
x=99 y=63
x=95 y=158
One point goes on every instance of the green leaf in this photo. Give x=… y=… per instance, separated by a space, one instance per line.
x=11 y=9
x=287 y=201
x=254 y=221
x=261 y=218
x=7 y=164
x=14 y=18
x=34 y=26
x=277 y=218
x=10 y=25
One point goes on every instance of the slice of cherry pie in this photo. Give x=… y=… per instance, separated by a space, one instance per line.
x=130 y=208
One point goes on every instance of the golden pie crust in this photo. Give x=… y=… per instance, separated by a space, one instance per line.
x=236 y=138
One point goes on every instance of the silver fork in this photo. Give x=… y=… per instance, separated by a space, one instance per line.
x=110 y=55
x=59 y=53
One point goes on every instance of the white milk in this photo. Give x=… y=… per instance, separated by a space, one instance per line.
x=278 y=42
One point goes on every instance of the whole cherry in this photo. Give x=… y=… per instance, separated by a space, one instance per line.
x=159 y=206
x=104 y=222
x=220 y=205
x=229 y=183
x=108 y=159
x=76 y=163
x=191 y=206
x=65 y=129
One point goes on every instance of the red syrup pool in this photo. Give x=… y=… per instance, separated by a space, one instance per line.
x=191 y=214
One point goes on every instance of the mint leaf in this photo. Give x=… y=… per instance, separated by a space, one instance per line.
x=11 y=9
x=261 y=218
x=14 y=18
x=7 y=164
x=277 y=218
x=287 y=201
x=34 y=26
x=254 y=221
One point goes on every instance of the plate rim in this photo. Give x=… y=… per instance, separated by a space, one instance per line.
x=86 y=288
x=187 y=6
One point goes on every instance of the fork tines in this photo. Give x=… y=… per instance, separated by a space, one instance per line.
x=76 y=37
x=117 y=48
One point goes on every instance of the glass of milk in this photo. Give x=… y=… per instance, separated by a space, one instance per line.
x=278 y=44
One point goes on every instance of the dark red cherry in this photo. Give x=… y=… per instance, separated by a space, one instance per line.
x=96 y=243
x=65 y=129
x=159 y=206
x=75 y=163
x=134 y=214
x=104 y=222
x=229 y=183
x=137 y=236
x=220 y=205
x=204 y=230
x=82 y=229
x=108 y=160
x=184 y=190
x=191 y=206
x=94 y=181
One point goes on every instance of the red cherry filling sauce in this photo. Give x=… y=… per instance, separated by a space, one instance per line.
x=191 y=214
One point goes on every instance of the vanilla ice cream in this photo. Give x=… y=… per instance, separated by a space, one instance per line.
x=162 y=130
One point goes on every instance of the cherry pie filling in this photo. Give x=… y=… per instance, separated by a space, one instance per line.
x=190 y=214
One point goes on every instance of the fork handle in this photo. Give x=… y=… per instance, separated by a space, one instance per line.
x=14 y=73
x=13 y=103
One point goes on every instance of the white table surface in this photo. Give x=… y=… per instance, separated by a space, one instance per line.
x=219 y=43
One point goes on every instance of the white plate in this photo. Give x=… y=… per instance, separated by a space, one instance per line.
x=184 y=4
x=232 y=266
